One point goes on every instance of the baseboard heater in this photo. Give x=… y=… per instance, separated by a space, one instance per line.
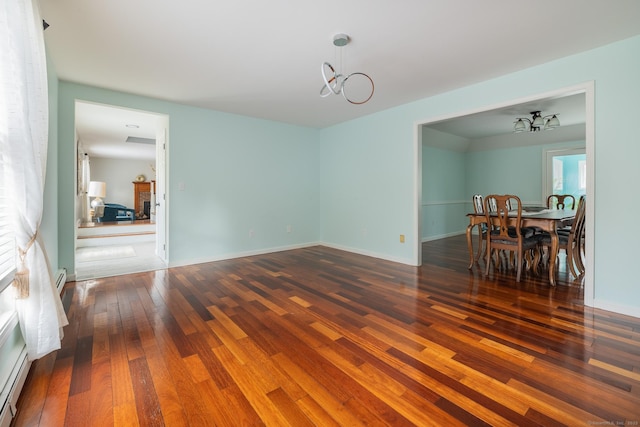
x=14 y=369
x=15 y=365
x=61 y=279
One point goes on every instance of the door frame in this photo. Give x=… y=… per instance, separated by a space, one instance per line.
x=162 y=130
x=588 y=88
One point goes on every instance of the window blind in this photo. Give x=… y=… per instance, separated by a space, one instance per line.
x=7 y=241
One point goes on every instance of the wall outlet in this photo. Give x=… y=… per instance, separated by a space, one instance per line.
x=251 y=233
x=289 y=229
x=402 y=238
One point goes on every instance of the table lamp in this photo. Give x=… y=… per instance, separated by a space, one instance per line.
x=97 y=189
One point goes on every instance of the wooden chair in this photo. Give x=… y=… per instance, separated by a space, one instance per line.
x=572 y=241
x=506 y=232
x=561 y=201
x=478 y=207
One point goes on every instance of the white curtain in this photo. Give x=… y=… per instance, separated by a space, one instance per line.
x=24 y=125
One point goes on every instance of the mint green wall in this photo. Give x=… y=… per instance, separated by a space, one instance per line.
x=444 y=201
x=367 y=165
x=450 y=178
x=366 y=183
x=515 y=170
x=239 y=174
x=507 y=171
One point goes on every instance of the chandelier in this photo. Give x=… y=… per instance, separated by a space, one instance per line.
x=360 y=84
x=536 y=123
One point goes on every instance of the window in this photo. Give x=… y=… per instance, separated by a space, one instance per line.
x=565 y=172
x=7 y=242
x=7 y=252
x=582 y=172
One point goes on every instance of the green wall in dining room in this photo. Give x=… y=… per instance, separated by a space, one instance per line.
x=450 y=177
x=516 y=170
x=444 y=201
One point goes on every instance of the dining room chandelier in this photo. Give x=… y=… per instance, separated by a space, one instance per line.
x=536 y=123
x=360 y=88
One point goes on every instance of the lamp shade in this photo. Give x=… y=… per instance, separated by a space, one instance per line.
x=520 y=126
x=537 y=121
x=552 y=123
x=97 y=189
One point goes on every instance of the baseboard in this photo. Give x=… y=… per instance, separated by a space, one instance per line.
x=442 y=236
x=371 y=254
x=223 y=257
x=616 y=308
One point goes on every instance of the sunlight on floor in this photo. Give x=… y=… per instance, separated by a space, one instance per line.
x=103 y=261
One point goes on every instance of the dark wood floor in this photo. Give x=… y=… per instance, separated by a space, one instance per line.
x=322 y=337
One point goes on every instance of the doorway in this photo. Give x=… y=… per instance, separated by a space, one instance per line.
x=478 y=119
x=123 y=151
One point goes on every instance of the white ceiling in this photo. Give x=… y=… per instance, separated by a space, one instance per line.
x=263 y=58
x=103 y=131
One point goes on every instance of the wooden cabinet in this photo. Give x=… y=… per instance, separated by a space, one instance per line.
x=141 y=194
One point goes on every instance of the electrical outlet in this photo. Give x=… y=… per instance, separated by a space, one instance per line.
x=289 y=229
x=402 y=238
x=251 y=233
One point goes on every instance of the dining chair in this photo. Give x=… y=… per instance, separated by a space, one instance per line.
x=506 y=232
x=571 y=242
x=561 y=201
x=478 y=207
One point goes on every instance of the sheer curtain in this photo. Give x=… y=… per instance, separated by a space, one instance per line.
x=23 y=138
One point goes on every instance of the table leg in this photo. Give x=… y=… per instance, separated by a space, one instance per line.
x=470 y=245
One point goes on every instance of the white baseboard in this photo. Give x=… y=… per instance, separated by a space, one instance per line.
x=442 y=236
x=369 y=253
x=223 y=257
x=616 y=308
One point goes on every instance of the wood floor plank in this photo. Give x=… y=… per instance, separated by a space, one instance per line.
x=55 y=403
x=100 y=405
x=34 y=401
x=319 y=336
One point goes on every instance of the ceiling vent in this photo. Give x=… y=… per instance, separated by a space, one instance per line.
x=139 y=140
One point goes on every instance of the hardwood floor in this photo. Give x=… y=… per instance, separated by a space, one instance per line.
x=322 y=337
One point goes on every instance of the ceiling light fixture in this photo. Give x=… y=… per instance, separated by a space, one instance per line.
x=335 y=82
x=536 y=123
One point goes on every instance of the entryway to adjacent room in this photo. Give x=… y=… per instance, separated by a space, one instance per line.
x=122 y=151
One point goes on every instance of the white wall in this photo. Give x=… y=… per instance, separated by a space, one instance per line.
x=119 y=175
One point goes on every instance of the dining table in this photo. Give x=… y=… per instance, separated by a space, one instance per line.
x=549 y=220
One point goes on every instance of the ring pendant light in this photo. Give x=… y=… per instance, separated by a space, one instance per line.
x=336 y=83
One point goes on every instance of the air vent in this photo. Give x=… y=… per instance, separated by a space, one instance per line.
x=139 y=140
